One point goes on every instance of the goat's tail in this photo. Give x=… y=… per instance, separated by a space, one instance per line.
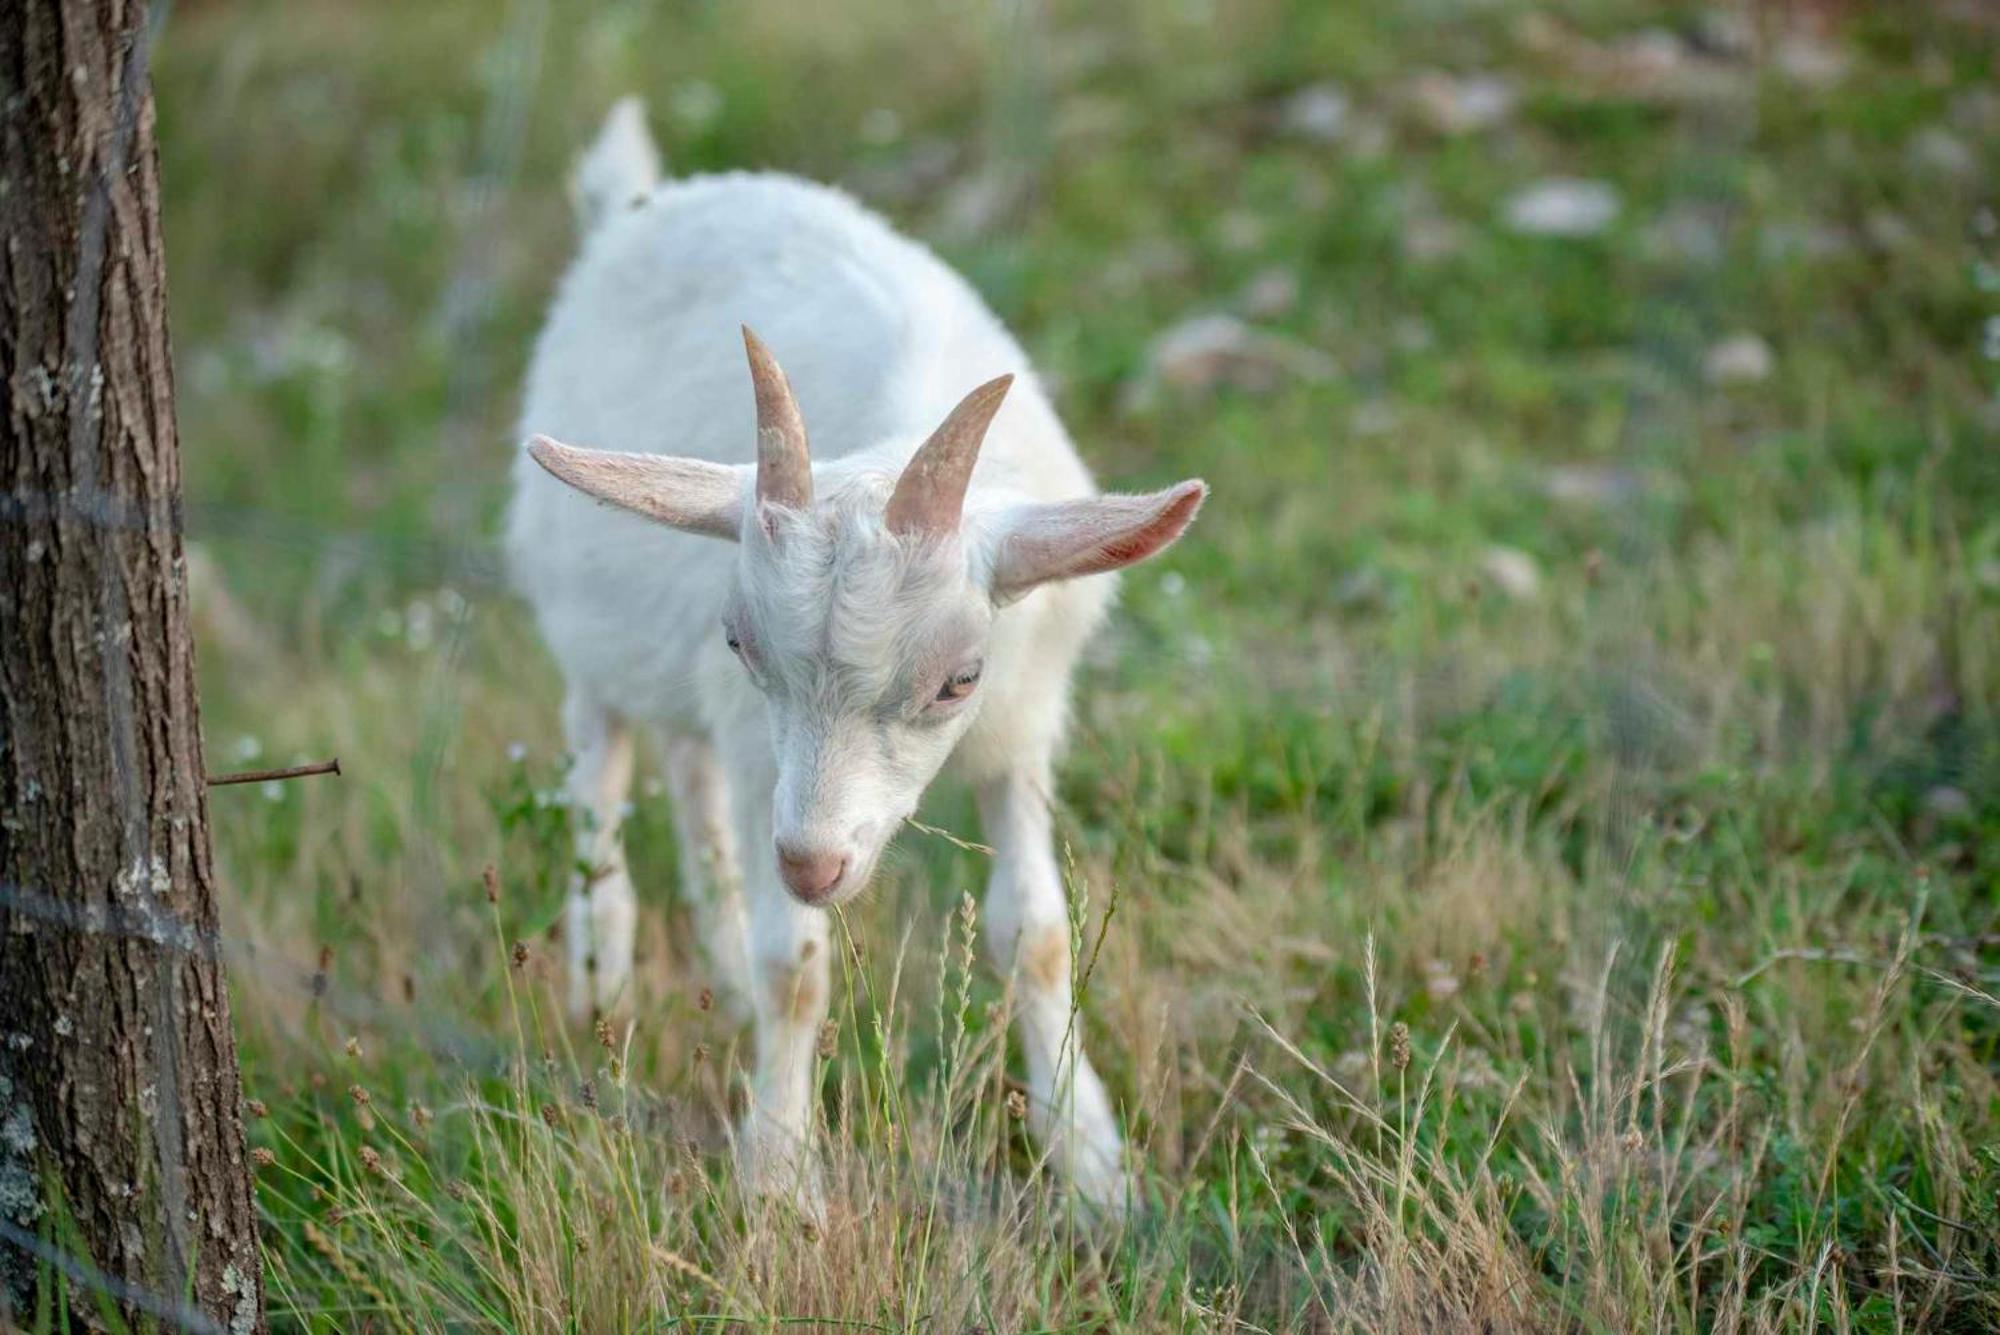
x=618 y=169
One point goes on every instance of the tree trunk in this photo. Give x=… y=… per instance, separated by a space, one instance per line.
x=122 y=1170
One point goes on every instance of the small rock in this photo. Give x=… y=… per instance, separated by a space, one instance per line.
x=1271 y=293
x=1212 y=351
x=1976 y=111
x=1484 y=100
x=1887 y=230
x=1655 y=63
x=1591 y=485
x=1147 y=262
x=1430 y=238
x=1562 y=206
x=1513 y=572
x=1363 y=590
x=1939 y=151
x=1649 y=56
x=1377 y=417
x=1652 y=64
x=1947 y=801
x=1239 y=230
x=1317 y=112
x=1539 y=34
x=1455 y=105
x=1689 y=233
x=1412 y=335
x=1725 y=33
x=1370 y=140
x=1803 y=240
x=1809 y=61
x=1740 y=359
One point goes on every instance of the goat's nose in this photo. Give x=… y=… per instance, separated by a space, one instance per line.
x=811 y=873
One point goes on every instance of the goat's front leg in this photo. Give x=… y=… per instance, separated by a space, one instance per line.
x=1027 y=933
x=602 y=912
x=789 y=981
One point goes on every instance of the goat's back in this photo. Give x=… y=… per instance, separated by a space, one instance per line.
x=641 y=353
x=641 y=350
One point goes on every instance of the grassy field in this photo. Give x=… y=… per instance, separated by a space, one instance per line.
x=1539 y=834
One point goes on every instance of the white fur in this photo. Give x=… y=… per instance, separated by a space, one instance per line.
x=618 y=168
x=825 y=736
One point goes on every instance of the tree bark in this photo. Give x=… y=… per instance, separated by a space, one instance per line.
x=122 y=1166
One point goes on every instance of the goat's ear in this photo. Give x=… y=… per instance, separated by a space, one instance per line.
x=1064 y=539
x=689 y=494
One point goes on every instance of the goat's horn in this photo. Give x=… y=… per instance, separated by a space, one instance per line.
x=931 y=492
x=784 y=463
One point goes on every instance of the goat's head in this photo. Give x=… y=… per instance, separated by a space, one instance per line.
x=863 y=615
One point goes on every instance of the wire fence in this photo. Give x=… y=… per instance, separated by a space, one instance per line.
x=466 y=308
x=473 y=567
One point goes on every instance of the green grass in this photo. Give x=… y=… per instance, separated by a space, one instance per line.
x=1620 y=957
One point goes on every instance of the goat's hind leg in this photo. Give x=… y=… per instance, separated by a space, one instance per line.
x=711 y=873
x=602 y=911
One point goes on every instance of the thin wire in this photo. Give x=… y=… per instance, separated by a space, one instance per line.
x=82 y=1272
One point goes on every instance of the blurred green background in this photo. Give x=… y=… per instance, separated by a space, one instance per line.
x=1601 y=400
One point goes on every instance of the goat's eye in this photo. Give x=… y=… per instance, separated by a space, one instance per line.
x=733 y=640
x=961 y=683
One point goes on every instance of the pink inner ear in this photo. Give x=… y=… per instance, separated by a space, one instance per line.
x=1168 y=524
x=1089 y=537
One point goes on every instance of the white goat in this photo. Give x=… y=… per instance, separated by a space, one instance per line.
x=884 y=608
